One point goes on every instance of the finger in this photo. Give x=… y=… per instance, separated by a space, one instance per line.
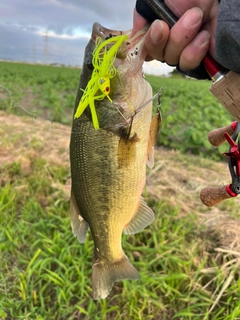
x=178 y=7
x=193 y=54
x=156 y=39
x=182 y=33
x=138 y=22
x=211 y=28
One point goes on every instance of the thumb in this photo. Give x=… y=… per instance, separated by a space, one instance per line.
x=138 y=22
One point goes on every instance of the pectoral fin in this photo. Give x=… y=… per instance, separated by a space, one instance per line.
x=78 y=224
x=153 y=136
x=141 y=220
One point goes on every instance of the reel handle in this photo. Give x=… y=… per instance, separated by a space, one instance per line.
x=212 y=196
x=216 y=137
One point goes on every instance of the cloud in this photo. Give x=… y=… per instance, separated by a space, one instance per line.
x=53 y=28
x=157 y=68
x=56 y=30
x=31 y=45
x=58 y=15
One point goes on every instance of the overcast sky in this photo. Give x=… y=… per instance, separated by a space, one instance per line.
x=57 y=31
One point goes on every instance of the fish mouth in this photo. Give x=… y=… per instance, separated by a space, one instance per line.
x=99 y=31
x=104 y=33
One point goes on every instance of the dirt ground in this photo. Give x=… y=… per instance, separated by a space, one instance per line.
x=176 y=177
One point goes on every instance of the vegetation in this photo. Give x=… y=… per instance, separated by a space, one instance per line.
x=189 y=112
x=187 y=271
x=188 y=108
x=48 y=92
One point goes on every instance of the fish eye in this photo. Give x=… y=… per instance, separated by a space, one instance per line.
x=109 y=36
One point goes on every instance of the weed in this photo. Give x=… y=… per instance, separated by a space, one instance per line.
x=186 y=271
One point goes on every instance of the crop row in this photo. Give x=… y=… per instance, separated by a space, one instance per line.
x=188 y=108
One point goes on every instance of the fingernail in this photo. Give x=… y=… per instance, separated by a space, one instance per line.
x=156 y=31
x=193 y=17
x=202 y=39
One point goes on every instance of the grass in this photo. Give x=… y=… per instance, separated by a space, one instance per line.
x=188 y=108
x=49 y=92
x=188 y=270
x=46 y=273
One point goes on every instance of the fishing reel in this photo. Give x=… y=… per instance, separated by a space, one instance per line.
x=212 y=196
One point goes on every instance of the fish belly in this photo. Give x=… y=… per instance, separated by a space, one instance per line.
x=108 y=176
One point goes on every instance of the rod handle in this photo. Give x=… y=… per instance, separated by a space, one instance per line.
x=216 y=137
x=212 y=196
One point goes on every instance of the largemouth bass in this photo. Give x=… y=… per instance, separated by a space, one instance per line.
x=108 y=165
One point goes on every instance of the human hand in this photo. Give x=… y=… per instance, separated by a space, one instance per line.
x=189 y=39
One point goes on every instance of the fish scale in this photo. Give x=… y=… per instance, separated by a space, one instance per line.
x=108 y=169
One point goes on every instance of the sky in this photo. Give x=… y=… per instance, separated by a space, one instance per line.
x=57 y=31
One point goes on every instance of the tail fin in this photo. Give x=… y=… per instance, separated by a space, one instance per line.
x=104 y=276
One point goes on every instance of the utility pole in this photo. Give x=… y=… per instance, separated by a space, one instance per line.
x=34 y=53
x=46 y=52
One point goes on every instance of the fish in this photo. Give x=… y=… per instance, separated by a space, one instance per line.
x=108 y=163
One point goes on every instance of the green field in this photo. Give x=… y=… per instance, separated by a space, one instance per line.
x=189 y=269
x=188 y=108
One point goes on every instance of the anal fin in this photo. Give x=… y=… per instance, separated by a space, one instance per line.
x=141 y=220
x=78 y=224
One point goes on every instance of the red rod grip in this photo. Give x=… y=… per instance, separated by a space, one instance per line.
x=211 y=66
